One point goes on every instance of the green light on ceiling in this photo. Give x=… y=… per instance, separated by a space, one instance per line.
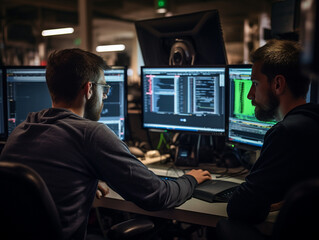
x=161 y=3
x=77 y=41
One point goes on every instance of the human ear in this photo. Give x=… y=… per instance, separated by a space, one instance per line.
x=88 y=90
x=280 y=84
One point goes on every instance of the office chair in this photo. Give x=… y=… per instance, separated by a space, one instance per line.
x=27 y=210
x=135 y=228
x=142 y=228
x=298 y=217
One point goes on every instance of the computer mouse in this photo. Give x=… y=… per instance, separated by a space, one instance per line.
x=137 y=152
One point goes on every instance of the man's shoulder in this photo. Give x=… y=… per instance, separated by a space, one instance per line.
x=83 y=125
x=98 y=129
x=301 y=121
x=302 y=116
x=89 y=124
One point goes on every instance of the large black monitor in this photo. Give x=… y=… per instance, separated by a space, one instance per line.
x=114 y=112
x=244 y=130
x=189 y=39
x=188 y=99
x=3 y=131
x=27 y=91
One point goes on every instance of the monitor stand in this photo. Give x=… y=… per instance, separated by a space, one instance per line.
x=193 y=148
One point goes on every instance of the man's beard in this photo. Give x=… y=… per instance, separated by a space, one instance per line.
x=92 y=110
x=267 y=112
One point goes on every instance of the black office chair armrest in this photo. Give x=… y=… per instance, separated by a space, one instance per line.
x=130 y=228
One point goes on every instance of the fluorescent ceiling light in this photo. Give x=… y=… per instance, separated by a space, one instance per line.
x=110 y=48
x=58 y=31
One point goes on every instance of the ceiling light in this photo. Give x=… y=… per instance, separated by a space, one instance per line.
x=161 y=10
x=110 y=48
x=161 y=6
x=58 y=31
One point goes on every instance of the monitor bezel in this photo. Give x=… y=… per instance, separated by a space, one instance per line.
x=185 y=130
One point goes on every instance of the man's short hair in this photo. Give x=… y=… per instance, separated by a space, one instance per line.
x=68 y=70
x=282 y=57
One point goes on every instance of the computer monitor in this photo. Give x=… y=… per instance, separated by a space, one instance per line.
x=190 y=99
x=189 y=39
x=3 y=131
x=244 y=129
x=27 y=91
x=114 y=111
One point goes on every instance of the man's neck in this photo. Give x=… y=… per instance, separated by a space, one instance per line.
x=286 y=105
x=76 y=106
x=75 y=109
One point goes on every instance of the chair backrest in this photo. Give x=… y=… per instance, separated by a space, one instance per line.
x=299 y=216
x=27 y=210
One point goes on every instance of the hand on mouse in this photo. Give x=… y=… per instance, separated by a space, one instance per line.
x=200 y=175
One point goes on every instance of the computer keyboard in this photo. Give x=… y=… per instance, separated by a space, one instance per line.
x=225 y=195
x=215 y=190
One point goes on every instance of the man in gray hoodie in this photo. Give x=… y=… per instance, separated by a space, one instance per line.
x=72 y=151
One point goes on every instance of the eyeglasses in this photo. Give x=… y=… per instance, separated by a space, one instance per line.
x=106 y=88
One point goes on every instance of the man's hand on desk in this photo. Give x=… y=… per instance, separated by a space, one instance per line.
x=102 y=190
x=200 y=175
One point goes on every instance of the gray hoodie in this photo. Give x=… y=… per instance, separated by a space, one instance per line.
x=71 y=153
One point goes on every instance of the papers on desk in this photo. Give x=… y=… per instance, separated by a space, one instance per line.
x=149 y=160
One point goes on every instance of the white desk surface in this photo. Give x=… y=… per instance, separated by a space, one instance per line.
x=193 y=211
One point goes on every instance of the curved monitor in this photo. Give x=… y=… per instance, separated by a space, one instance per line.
x=188 y=99
x=190 y=39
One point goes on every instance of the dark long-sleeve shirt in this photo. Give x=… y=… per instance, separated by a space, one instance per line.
x=290 y=154
x=71 y=153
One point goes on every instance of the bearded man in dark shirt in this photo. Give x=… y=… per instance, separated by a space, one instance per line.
x=289 y=154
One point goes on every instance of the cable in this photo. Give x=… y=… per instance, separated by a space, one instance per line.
x=223 y=174
x=162 y=140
